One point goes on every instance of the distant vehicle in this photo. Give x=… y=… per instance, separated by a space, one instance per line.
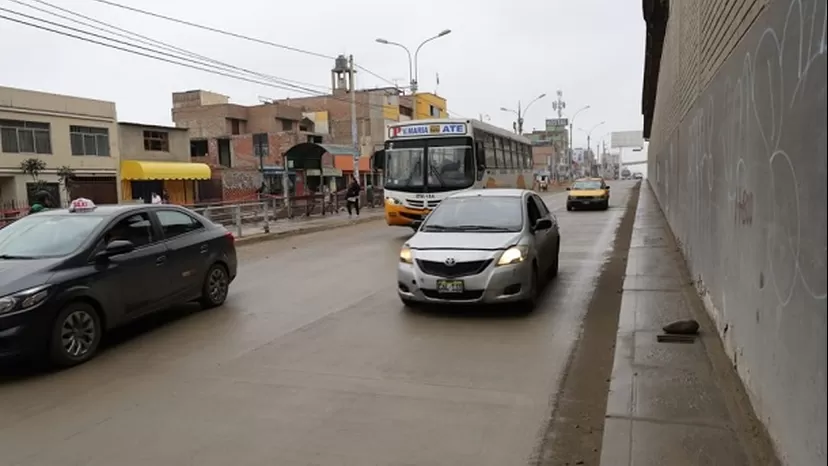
x=638 y=176
x=69 y=275
x=588 y=193
x=625 y=174
x=429 y=160
x=483 y=246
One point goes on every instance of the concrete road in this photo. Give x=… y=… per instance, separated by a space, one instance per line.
x=313 y=361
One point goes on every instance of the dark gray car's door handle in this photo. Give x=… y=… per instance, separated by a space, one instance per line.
x=160 y=260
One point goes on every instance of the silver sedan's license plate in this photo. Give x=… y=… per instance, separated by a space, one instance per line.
x=450 y=286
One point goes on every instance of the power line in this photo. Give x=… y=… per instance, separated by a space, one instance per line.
x=125 y=33
x=174 y=59
x=275 y=82
x=233 y=34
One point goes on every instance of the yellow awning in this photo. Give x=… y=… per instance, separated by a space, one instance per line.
x=141 y=170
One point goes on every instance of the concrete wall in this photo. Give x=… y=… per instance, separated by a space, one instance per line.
x=131 y=139
x=737 y=158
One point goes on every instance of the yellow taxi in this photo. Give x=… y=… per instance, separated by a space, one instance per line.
x=588 y=193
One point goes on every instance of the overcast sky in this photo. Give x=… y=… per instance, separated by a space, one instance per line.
x=499 y=52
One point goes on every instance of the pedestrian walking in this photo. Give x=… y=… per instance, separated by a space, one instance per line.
x=352 y=196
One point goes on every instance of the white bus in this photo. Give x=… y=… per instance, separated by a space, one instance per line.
x=427 y=160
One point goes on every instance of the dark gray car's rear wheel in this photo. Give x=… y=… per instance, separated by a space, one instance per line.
x=76 y=334
x=215 y=288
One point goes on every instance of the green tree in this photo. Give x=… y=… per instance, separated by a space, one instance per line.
x=34 y=167
x=66 y=176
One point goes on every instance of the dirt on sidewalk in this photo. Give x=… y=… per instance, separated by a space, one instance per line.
x=576 y=427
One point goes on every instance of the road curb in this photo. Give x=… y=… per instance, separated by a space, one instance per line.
x=262 y=237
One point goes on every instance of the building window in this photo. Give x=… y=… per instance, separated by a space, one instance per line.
x=260 y=145
x=156 y=141
x=434 y=111
x=287 y=125
x=25 y=137
x=235 y=126
x=87 y=140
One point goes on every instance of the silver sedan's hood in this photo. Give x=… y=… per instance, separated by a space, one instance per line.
x=475 y=241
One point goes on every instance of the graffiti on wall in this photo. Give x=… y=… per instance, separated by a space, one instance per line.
x=239 y=180
x=743 y=184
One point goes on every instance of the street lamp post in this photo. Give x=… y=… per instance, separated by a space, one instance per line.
x=589 y=139
x=571 y=121
x=413 y=64
x=521 y=112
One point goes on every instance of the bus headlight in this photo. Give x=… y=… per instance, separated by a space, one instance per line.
x=405 y=255
x=513 y=255
x=393 y=201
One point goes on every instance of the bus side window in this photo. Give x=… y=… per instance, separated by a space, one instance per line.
x=491 y=155
x=480 y=158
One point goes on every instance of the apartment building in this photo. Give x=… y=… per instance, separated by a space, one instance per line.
x=67 y=146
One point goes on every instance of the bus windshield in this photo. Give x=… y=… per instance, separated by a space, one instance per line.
x=404 y=168
x=433 y=165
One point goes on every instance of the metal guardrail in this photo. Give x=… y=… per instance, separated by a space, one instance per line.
x=240 y=218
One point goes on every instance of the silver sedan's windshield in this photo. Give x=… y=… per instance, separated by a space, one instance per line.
x=479 y=213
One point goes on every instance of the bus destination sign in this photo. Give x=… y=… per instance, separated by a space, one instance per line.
x=427 y=130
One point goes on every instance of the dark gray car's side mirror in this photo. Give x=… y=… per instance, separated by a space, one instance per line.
x=543 y=224
x=116 y=248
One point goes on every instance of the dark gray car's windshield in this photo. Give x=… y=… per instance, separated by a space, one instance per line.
x=38 y=236
x=478 y=214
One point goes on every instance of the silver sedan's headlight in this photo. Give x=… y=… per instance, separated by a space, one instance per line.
x=24 y=300
x=513 y=255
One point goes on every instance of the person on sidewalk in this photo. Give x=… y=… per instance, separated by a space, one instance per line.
x=43 y=201
x=352 y=196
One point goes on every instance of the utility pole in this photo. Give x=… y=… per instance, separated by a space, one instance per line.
x=354 y=135
x=520 y=119
x=414 y=96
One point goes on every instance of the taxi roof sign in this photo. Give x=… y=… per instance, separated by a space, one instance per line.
x=81 y=204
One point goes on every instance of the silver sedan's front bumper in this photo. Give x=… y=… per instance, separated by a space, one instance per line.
x=494 y=284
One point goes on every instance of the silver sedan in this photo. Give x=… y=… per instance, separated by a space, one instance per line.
x=481 y=246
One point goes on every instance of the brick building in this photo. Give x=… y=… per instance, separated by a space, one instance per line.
x=243 y=144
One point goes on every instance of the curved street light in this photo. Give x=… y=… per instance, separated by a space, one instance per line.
x=413 y=63
x=522 y=112
x=571 y=122
x=589 y=136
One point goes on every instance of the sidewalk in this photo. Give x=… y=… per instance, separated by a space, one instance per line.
x=304 y=225
x=672 y=403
